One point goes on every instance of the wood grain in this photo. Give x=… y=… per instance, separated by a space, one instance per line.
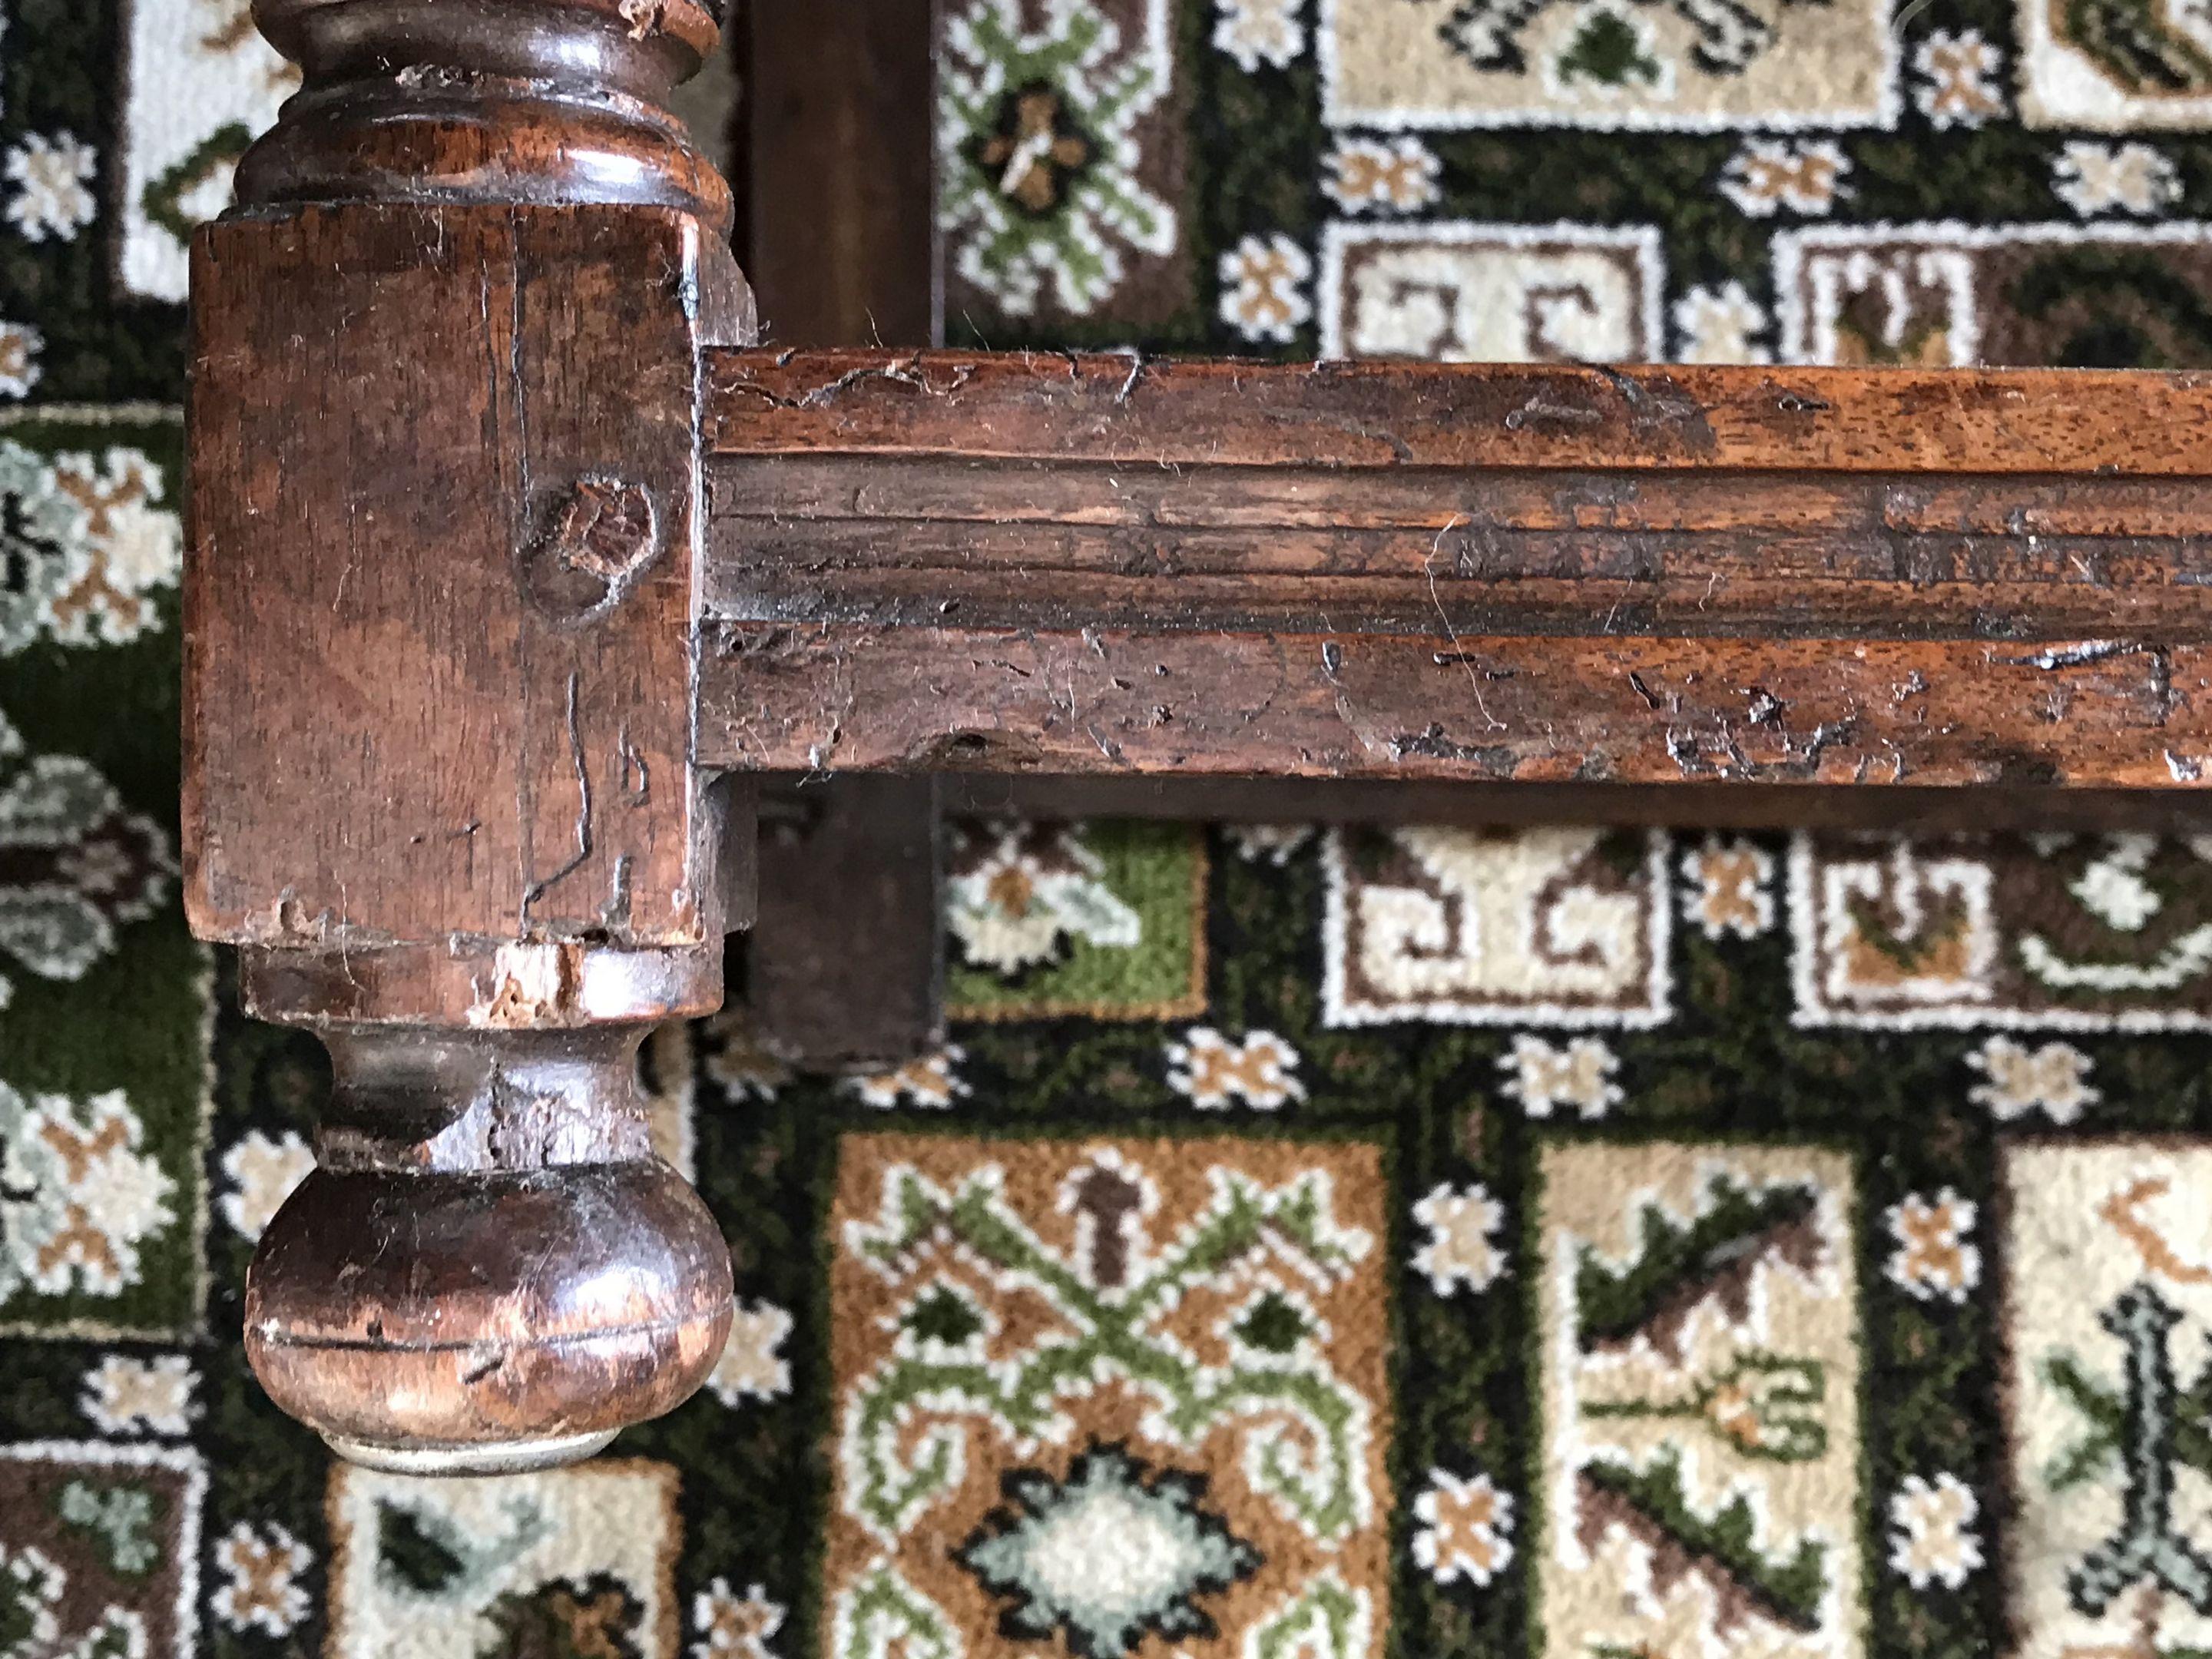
x=1086 y=568
x=543 y=101
x=2093 y=713
x=834 y=188
x=833 y=170
x=439 y=614
x=439 y=602
x=1130 y=411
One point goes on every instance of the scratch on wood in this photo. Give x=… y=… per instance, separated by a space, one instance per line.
x=629 y=761
x=1429 y=570
x=2163 y=697
x=2074 y=656
x=1538 y=408
x=1493 y=759
x=538 y=889
x=617 y=912
x=1136 y=373
x=1682 y=748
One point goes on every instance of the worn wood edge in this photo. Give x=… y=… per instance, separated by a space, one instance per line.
x=1620 y=709
x=1131 y=410
x=1693 y=806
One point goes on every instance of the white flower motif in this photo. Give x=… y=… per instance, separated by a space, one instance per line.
x=1932 y=1539
x=144 y=547
x=20 y=346
x=732 y=1627
x=929 y=1082
x=1256 y=31
x=1274 y=842
x=53 y=186
x=1933 y=1260
x=1543 y=1078
x=2053 y=1078
x=1957 y=79
x=263 y=1173
x=1399 y=173
x=122 y=1394
x=1720 y=325
x=261 y=1572
x=1211 y=1071
x=133 y=546
x=1014 y=890
x=2111 y=888
x=1466 y=1528
x=1462 y=1247
x=82 y=1195
x=1768 y=174
x=750 y=1366
x=2092 y=178
x=1263 y=294
x=1731 y=887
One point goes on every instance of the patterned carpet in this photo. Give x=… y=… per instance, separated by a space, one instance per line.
x=1311 y=1245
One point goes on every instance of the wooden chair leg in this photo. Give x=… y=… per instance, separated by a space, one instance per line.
x=447 y=500
x=489 y=1270
x=846 y=967
x=843 y=963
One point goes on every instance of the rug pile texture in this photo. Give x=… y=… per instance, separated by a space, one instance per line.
x=1583 y=1244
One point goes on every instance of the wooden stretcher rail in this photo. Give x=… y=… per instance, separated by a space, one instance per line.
x=1124 y=408
x=1098 y=567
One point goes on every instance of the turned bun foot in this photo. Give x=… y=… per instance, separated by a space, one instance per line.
x=473 y=1323
x=490 y=1270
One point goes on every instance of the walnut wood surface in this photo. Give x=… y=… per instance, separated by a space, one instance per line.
x=833 y=171
x=843 y=963
x=439 y=609
x=1133 y=410
x=494 y=554
x=544 y=101
x=488 y=1250
x=437 y=658
x=1088 y=565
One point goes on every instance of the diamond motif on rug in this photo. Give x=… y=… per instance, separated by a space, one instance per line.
x=1110 y=1552
x=1091 y=1392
